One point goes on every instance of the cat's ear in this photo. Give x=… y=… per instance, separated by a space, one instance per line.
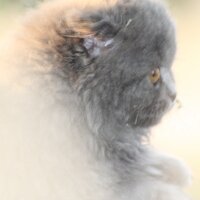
x=95 y=45
x=96 y=37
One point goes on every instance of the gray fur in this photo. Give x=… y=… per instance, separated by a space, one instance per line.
x=121 y=103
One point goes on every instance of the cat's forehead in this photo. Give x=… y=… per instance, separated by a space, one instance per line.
x=142 y=34
x=148 y=34
x=145 y=19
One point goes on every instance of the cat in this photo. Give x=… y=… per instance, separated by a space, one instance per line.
x=81 y=86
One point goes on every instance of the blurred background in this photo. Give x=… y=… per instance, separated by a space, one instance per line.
x=179 y=132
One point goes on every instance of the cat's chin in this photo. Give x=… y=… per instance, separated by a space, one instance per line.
x=151 y=121
x=151 y=115
x=147 y=121
x=154 y=122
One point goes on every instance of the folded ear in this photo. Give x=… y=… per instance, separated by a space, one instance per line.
x=96 y=37
x=95 y=45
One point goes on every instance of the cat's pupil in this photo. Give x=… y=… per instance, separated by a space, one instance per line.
x=155 y=75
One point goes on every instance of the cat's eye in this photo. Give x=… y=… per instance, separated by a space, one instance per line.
x=155 y=75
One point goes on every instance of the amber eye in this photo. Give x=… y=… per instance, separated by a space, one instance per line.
x=155 y=75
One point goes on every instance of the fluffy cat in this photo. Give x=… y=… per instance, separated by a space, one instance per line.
x=80 y=88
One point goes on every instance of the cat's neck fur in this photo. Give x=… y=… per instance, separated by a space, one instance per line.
x=123 y=148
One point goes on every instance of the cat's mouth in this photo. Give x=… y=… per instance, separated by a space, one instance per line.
x=149 y=116
x=147 y=121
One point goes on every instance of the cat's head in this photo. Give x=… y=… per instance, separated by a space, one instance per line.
x=131 y=48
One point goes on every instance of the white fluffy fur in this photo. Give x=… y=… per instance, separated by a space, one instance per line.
x=42 y=156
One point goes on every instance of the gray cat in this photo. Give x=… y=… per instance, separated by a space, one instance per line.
x=83 y=87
